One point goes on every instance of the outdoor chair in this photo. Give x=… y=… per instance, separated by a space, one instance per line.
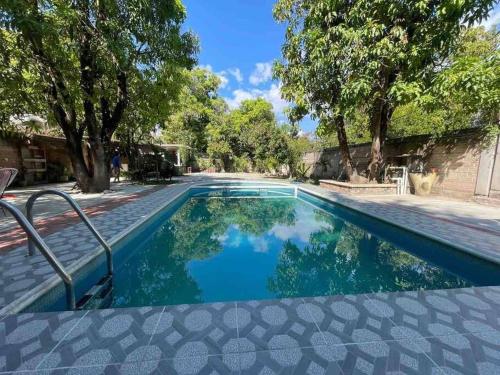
x=7 y=176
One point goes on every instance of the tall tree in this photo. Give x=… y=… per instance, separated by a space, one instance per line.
x=310 y=72
x=153 y=100
x=372 y=53
x=250 y=132
x=199 y=105
x=86 y=53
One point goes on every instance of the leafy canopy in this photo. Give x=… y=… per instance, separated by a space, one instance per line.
x=341 y=56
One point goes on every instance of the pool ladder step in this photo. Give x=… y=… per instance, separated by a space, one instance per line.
x=99 y=296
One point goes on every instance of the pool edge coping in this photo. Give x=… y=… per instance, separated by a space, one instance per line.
x=30 y=297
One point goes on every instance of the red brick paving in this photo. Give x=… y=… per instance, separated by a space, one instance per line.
x=45 y=226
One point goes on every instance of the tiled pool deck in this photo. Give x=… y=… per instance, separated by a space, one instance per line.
x=444 y=331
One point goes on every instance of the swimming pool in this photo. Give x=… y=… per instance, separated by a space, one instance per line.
x=247 y=241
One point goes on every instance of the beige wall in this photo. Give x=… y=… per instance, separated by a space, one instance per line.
x=455 y=156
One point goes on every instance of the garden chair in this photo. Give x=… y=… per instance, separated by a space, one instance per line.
x=7 y=176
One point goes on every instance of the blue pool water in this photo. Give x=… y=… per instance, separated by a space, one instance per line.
x=251 y=242
x=226 y=245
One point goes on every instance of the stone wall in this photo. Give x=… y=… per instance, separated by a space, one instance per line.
x=455 y=156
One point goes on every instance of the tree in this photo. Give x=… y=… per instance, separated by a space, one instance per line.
x=199 y=105
x=20 y=85
x=311 y=78
x=250 y=132
x=154 y=99
x=87 y=55
x=464 y=93
x=470 y=83
x=371 y=54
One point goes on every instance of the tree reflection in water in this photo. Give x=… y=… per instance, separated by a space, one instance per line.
x=344 y=259
x=158 y=271
x=285 y=248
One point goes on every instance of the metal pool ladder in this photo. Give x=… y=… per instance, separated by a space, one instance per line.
x=34 y=239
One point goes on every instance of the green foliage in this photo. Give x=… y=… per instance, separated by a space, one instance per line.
x=371 y=55
x=297 y=147
x=198 y=106
x=21 y=88
x=250 y=131
x=470 y=84
x=465 y=93
x=301 y=171
x=242 y=163
x=92 y=60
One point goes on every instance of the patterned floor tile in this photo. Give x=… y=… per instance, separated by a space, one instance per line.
x=317 y=360
x=197 y=330
x=388 y=357
x=382 y=357
x=465 y=354
x=209 y=365
x=276 y=324
x=107 y=336
x=85 y=370
x=480 y=309
x=348 y=319
x=25 y=339
x=420 y=314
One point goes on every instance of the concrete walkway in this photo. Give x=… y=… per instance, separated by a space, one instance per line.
x=48 y=206
x=469 y=213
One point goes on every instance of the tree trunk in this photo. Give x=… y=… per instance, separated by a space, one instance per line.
x=380 y=115
x=101 y=170
x=376 y=132
x=344 y=147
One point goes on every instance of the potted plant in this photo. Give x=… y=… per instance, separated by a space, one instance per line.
x=423 y=182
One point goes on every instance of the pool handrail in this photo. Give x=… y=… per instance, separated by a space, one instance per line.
x=35 y=239
x=81 y=214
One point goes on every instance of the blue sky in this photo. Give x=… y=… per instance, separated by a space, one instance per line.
x=239 y=41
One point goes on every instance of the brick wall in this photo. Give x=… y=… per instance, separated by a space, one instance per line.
x=10 y=154
x=456 y=157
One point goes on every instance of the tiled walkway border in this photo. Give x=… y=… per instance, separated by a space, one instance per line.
x=24 y=279
x=46 y=226
x=428 y=332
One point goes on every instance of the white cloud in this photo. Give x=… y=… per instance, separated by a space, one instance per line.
x=259 y=244
x=222 y=74
x=206 y=67
x=272 y=95
x=236 y=73
x=223 y=80
x=300 y=230
x=238 y=96
x=263 y=72
x=493 y=19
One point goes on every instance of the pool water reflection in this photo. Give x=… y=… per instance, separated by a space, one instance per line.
x=224 y=249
